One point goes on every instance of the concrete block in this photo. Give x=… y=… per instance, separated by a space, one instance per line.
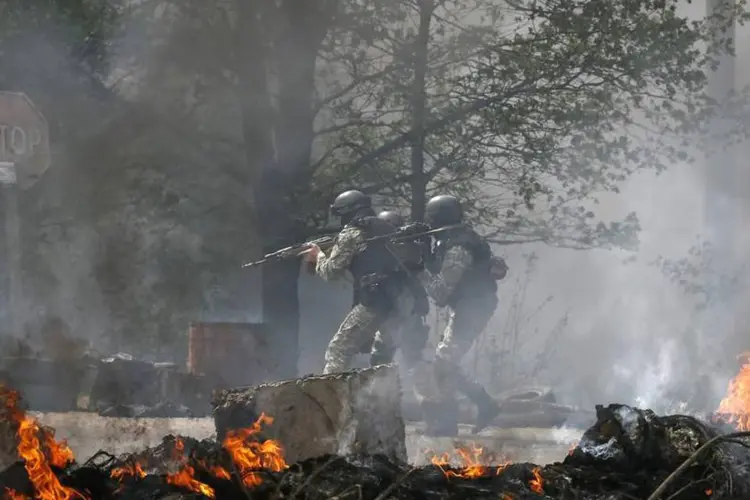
x=355 y=412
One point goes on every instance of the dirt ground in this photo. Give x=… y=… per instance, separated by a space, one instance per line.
x=88 y=433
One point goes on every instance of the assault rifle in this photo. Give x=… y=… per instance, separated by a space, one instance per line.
x=326 y=242
x=407 y=233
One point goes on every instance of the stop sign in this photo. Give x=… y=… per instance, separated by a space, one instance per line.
x=24 y=137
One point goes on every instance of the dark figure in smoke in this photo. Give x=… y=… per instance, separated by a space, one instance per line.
x=461 y=276
x=382 y=299
x=414 y=332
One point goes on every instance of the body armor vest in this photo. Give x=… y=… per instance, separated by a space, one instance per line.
x=478 y=280
x=410 y=253
x=375 y=257
x=374 y=269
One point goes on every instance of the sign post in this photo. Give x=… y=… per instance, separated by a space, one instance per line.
x=24 y=157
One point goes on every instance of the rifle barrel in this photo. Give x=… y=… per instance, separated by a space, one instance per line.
x=288 y=252
x=402 y=236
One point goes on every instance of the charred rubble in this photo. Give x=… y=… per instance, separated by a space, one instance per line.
x=626 y=454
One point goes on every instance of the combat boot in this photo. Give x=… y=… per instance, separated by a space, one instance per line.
x=441 y=418
x=487 y=408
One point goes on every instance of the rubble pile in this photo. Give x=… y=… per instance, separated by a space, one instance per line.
x=60 y=373
x=626 y=454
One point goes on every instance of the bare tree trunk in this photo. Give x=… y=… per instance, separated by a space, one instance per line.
x=296 y=53
x=252 y=61
x=419 y=110
x=296 y=31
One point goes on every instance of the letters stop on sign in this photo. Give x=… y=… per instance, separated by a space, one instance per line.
x=18 y=142
x=24 y=137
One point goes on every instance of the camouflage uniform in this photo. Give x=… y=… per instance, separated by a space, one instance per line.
x=462 y=285
x=469 y=315
x=357 y=331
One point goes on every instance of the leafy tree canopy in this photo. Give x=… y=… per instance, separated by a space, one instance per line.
x=535 y=108
x=80 y=29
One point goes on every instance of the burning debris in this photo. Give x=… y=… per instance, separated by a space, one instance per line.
x=627 y=453
x=41 y=454
x=474 y=463
x=47 y=470
x=735 y=407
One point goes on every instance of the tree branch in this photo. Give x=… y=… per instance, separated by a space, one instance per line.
x=431 y=127
x=691 y=459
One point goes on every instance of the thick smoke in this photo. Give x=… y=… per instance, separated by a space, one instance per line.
x=633 y=336
x=127 y=275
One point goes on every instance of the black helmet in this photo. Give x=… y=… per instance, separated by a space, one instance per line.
x=393 y=218
x=443 y=210
x=349 y=203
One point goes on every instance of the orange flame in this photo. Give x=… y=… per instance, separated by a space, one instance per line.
x=247 y=456
x=250 y=456
x=572 y=447
x=473 y=464
x=537 y=483
x=46 y=484
x=736 y=405
x=178 y=452
x=129 y=470
x=215 y=470
x=220 y=472
x=709 y=492
x=185 y=476
x=60 y=454
x=11 y=494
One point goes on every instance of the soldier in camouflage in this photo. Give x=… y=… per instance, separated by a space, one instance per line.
x=382 y=300
x=461 y=277
x=414 y=332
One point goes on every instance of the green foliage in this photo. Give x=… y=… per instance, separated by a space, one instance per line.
x=81 y=28
x=535 y=110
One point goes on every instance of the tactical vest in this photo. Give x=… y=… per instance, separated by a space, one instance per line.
x=477 y=280
x=409 y=252
x=374 y=268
